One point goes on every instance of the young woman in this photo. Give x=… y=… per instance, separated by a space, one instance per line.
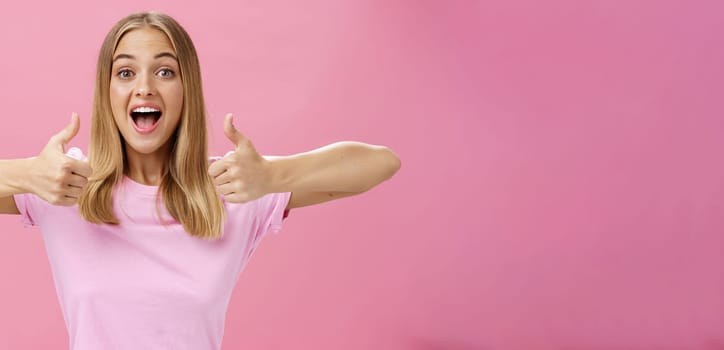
x=147 y=237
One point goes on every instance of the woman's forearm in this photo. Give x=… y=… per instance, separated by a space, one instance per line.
x=339 y=167
x=12 y=173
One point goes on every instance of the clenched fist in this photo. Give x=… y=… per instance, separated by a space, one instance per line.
x=56 y=177
x=243 y=174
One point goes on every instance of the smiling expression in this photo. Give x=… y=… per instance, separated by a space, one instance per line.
x=146 y=91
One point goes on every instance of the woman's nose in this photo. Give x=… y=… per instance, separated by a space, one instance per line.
x=145 y=87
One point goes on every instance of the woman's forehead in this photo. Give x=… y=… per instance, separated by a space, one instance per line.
x=144 y=40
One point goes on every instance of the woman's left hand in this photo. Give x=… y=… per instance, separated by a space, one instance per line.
x=243 y=174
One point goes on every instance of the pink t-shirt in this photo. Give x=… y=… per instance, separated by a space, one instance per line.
x=142 y=285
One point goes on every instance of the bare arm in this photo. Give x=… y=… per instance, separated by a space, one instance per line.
x=11 y=173
x=334 y=171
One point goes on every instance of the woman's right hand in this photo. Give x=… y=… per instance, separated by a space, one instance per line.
x=56 y=177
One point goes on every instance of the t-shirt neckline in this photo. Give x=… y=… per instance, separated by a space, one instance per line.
x=139 y=188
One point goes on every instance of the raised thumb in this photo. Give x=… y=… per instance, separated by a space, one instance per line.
x=69 y=132
x=230 y=131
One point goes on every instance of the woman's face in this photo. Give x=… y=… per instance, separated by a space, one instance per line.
x=146 y=90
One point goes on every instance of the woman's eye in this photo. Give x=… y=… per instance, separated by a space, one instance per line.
x=125 y=74
x=165 y=73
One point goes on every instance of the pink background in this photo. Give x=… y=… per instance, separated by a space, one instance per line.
x=562 y=175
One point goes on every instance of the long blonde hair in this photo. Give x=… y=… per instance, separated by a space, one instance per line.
x=186 y=188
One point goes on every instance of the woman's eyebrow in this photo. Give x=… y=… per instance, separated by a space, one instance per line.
x=123 y=55
x=159 y=55
x=166 y=54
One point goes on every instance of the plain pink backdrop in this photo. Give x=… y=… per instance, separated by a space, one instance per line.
x=562 y=175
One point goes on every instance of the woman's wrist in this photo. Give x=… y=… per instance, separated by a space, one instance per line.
x=278 y=174
x=14 y=174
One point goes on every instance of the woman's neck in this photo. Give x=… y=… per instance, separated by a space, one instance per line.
x=147 y=169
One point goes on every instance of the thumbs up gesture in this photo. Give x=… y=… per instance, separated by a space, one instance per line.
x=55 y=177
x=243 y=174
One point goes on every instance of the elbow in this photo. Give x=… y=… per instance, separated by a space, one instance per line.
x=393 y=163
x=387 y=165
x=379 y=161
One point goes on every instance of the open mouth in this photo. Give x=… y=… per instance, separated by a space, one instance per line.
x=145 y=119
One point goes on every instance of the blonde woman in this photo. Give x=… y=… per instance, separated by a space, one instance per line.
x=148 y=235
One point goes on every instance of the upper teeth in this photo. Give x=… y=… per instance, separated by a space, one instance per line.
x=145 y=110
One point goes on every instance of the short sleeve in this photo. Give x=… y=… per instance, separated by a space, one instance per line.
x=271 y=210
x=30 y=208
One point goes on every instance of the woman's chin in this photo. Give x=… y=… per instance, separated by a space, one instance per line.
x=147 y=148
